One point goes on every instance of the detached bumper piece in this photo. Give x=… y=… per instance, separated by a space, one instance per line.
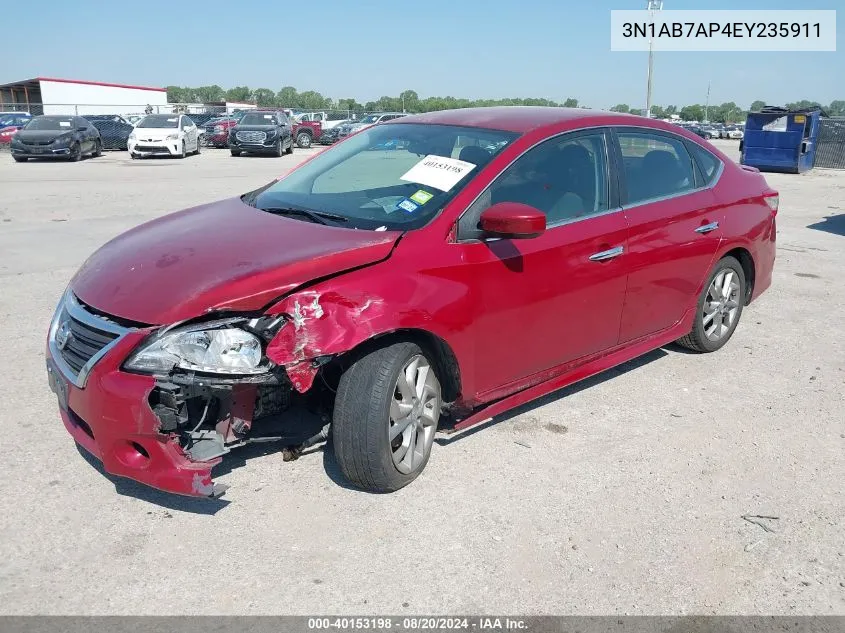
x=167 y=433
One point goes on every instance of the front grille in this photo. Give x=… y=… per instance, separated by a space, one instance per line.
x=84 y=341
x=150 y=148
x=78 y=336
x=251 y=136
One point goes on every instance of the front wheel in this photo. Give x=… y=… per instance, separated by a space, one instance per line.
x=236 y=152
x=199 y=145
x=303 y=139
x=289 y=150
x=719 y=308
x=385 y=417
x=76 y=152
x=98 y=149
x=184 y=150
x=278 y=151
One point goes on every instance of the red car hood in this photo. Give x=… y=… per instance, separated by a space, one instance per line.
x=224 y=255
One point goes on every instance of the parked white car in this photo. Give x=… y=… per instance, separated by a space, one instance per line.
x=735 y=133
x=164 y=135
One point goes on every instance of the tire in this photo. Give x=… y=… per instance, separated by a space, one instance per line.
x=75 y=153
x=708 y=137
x=184 y=150
x=236 y=152
x=365 y=406
x=699 y=340
x=289 y=150
x=134 y=156
x=20 y=159
x=199 y=144
x=278 y=152
x=303 y=140
x=98 y=149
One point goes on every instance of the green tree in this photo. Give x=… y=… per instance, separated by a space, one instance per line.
x=670 y=110
x=264 y=97
x=287 y=97
x=176 y=94
x=692 y=112
x=836 y=108
x=803 y=105
x=636 y=111
x=758 y=105
x=239 y=93
x=209 y=94
x=657 y=112
x=570 y=103
x=621 y=107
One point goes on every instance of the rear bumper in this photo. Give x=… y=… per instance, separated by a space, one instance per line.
x=111 y=418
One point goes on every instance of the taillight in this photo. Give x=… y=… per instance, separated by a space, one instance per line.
x=772 y=199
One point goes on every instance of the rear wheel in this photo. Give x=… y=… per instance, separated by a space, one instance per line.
x=719 y=308
x=303 y=139
x=385 y=417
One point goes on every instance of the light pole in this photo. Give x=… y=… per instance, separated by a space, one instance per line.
x=653 y=6
x=707 y=105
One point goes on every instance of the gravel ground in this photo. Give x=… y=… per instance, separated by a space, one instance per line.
x=623 y=494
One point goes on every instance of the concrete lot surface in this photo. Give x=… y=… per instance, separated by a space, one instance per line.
x=624 y=494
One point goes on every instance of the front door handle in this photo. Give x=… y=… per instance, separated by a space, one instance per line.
x=603 y=256
x=707 y=227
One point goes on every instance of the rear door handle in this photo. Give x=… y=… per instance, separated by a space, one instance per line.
x=707 y=227
x=603 y=256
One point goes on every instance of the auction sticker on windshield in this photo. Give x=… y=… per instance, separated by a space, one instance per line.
x=421 y=197
x=439 y=172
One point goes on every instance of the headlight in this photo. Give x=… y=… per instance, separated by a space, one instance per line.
x=61 y=140
x=218 y=129
x=132 y=136
x=219 y=351
x=172 y=137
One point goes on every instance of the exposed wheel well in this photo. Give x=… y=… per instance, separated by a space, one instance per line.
x=747 y=263
x=305 y=130
x=435 y=348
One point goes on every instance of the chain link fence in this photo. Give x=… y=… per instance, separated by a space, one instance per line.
x=116 y=121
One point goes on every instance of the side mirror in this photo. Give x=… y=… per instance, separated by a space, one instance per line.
x=513 y=220
x=82 y=128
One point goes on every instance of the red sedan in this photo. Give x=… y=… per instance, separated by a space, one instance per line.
x=430 y=272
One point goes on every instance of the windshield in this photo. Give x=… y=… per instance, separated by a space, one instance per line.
x=258 y=118
x=51 y=123
x=159 y=121
x=370 y=118
x=392 y=176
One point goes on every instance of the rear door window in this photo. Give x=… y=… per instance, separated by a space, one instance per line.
x=654 y=165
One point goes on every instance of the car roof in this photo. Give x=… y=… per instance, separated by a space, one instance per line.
x=523 y=119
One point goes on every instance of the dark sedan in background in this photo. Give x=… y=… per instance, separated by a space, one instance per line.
x=56 y=136
x=113 y=134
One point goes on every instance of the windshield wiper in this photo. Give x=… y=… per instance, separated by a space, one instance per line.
x=320 y=217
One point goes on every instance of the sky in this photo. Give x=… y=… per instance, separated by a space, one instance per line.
x=364 y=49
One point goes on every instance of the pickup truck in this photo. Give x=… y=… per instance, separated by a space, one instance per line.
x=305 y=132
x=322 y=117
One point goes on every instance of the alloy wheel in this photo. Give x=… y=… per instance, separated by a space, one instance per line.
x=721 y=305
x=414 y=413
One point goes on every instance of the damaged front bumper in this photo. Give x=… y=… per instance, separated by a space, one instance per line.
x=165 y=432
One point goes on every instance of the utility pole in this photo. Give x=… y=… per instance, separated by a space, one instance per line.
x=707 y=104
x=653 y=6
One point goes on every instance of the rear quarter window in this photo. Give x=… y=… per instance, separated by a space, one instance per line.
x=708 y=164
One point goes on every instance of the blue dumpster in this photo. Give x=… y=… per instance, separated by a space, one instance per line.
x=778 y=139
